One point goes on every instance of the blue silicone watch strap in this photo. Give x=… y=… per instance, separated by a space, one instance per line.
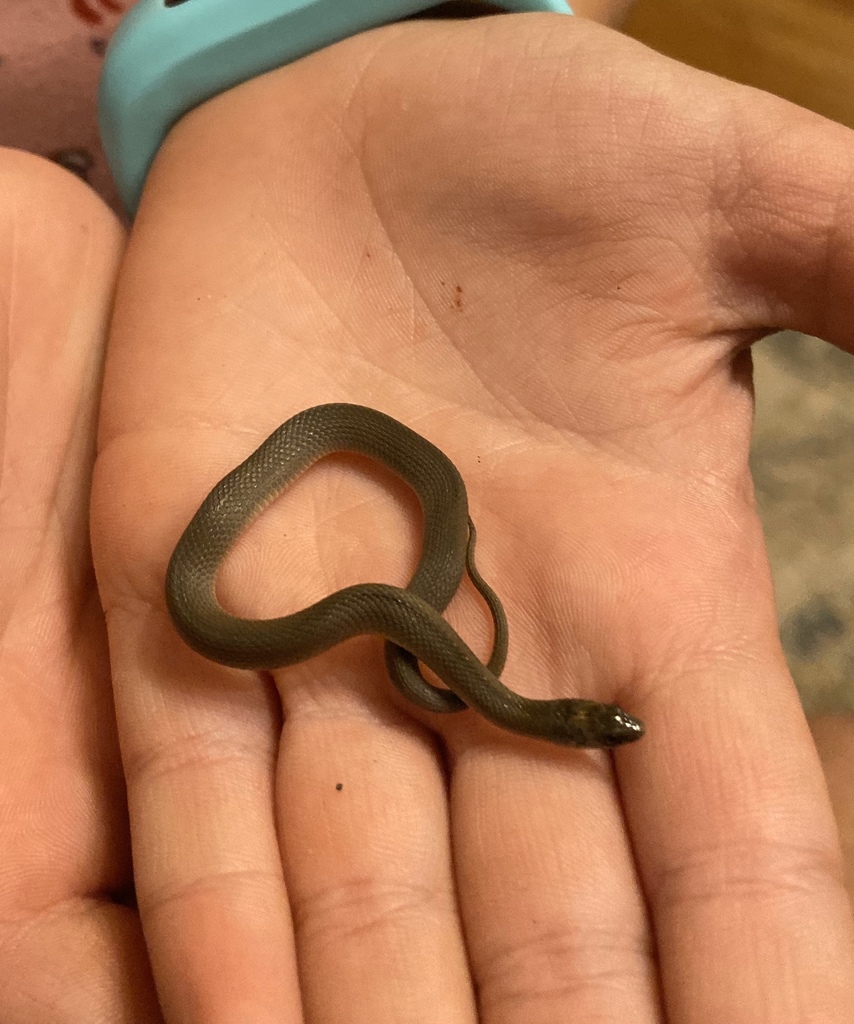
x=168 y=56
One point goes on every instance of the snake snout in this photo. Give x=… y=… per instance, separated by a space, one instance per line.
x=616 y=727
x=621 y=727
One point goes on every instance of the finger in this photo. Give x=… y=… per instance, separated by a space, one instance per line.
x=199 y=749
x=361 y=800
x=365 y=837
x=553 y=911
x=732 y=828
x=552 y=908
x=69 y=950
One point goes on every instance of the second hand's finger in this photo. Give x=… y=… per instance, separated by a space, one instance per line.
x=70 y=948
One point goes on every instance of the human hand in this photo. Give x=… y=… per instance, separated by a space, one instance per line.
x=546 y=249
x=69 y=949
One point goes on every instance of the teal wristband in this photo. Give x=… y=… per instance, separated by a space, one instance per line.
x=169 y=56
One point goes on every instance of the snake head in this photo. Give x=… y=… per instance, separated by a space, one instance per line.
x=587 y=723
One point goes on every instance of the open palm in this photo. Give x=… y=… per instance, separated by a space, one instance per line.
x=546 y=249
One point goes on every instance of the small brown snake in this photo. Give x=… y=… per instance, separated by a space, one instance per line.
x=410 y=618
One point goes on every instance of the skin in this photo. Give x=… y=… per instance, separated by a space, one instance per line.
x=563 y=269
x=69 y=949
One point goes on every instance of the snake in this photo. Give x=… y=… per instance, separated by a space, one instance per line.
x=410 y=619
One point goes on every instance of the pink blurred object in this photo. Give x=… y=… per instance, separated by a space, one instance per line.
x=51 y=53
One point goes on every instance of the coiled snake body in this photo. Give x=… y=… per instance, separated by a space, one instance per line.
x=409 y=618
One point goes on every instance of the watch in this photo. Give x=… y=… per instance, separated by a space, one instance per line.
x=168 y=56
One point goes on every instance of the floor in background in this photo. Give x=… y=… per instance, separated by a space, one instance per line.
x=803 y=466
x=798 y=49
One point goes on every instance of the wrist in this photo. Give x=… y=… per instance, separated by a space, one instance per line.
x=169 y=56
